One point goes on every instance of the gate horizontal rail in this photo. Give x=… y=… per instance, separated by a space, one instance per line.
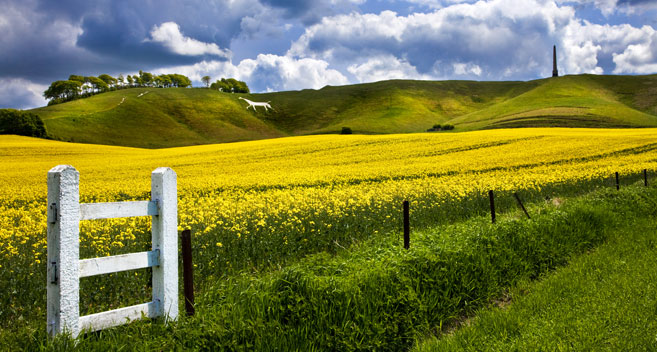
x=117 y=263
x=95 y=211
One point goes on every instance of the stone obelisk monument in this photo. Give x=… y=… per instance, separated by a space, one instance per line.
x=555 y=72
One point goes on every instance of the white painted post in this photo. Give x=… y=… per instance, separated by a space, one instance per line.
x=63 y=250
x=165 y=239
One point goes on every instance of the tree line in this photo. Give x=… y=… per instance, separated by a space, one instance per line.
x=76 y=87
x=22 y=123
x=84 y=86
x=228 y=85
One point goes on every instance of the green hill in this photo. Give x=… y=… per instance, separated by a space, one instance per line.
x=154 y=118
x=386 y=107
x=574 y=101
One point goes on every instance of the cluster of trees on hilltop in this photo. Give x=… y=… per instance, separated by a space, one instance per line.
x=77 y=87
x=230 y=85
x=84 y=86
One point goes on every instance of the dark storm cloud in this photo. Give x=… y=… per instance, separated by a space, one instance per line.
x=636 y=2
x=71 y=10
x=128 y=23
x=47 y=40
x=293 y=7
x=311 y=11
x=51 y=39
x=122 y=41
x=44 y=40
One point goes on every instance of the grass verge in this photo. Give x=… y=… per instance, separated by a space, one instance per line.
x=602 y=301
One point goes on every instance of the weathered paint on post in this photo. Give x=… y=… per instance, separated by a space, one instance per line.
x=165 y=238
x=63 y=283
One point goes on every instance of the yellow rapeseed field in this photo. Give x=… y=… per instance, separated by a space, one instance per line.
x=262 y=199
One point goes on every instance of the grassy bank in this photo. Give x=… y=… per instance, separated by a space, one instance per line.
x=377 y=295
x=602 y=301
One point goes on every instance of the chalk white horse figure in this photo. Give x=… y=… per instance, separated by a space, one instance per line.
x=253 y=104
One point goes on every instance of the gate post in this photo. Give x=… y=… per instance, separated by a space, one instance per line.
x=63 y=250
x=165 y=239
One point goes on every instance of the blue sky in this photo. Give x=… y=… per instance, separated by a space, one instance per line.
x=277 y=45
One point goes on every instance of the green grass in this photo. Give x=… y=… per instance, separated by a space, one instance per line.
x=602 y=301
x=395 y=106
x=179 y=116
x=158 y=118
x=571 y=101
x=378 y=295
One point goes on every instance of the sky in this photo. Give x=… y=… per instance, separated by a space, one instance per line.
x=277 y=45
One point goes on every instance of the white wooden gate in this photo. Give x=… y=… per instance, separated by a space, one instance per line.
x=65 y=267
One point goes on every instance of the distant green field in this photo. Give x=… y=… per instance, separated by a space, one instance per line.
x=156 y=118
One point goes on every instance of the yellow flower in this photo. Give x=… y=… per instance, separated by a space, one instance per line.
x=300 y=186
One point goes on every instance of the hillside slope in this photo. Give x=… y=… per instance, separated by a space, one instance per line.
x=574 y=101
x=155 y=118
x=395 y=106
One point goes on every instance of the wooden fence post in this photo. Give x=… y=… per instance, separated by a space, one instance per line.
x=165 y=239
x=491 y=198
x=645 y=177
x=617 y=182
x=407 y=226
x=188 y=271
x=63 y=304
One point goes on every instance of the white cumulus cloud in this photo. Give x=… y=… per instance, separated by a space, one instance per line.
x=466 y=69
x=169 y=35
x=586 y=44
x=638 y=58
x=288 y=73
x=475 y=39
x=267 y=72
x=486 y=39
x=384 y=67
